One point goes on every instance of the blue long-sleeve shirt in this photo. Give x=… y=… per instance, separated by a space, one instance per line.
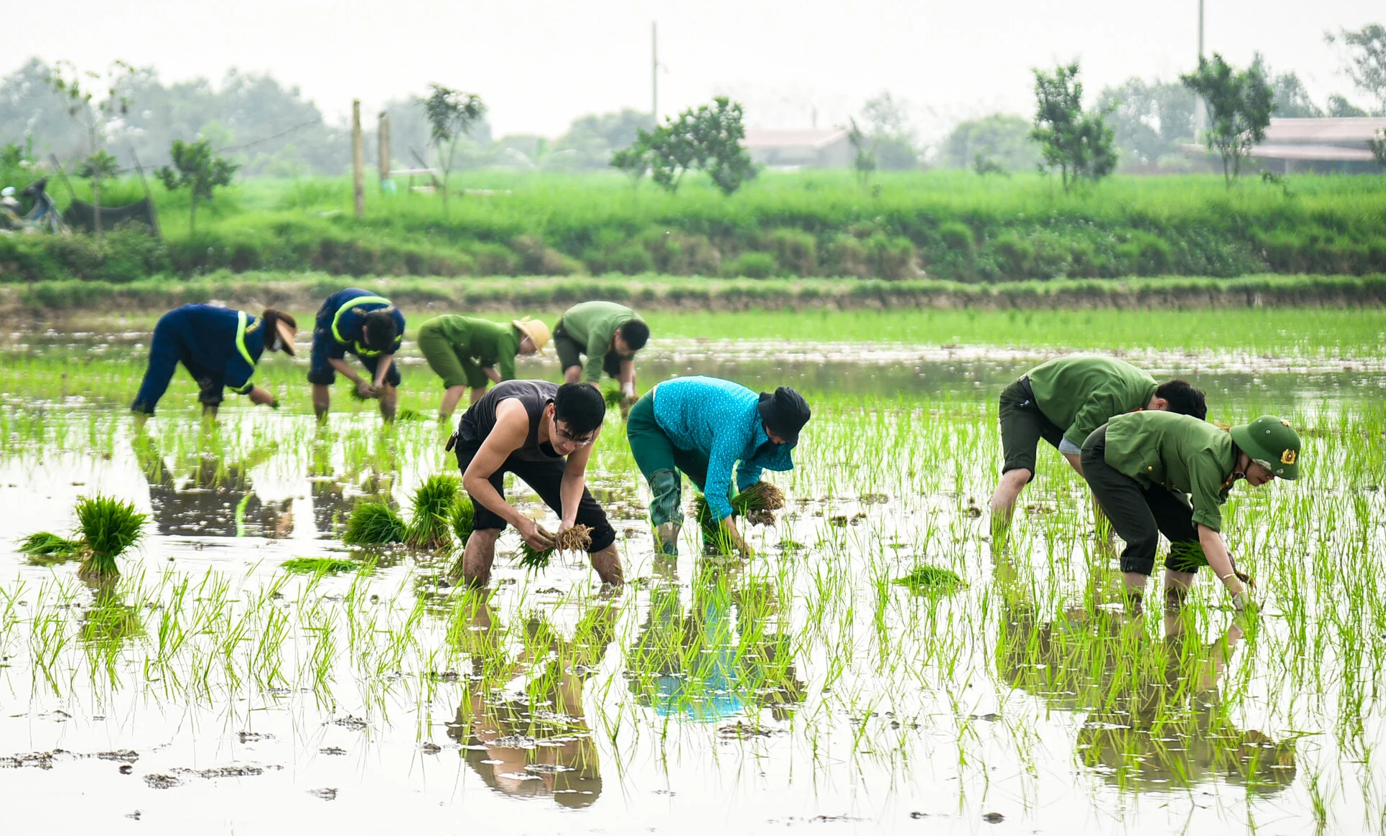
x=719 y=419
x=217 y=344
x=345 y=312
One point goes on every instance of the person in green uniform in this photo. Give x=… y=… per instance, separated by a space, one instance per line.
x=1142 y=466
x=1064 y=400
x=609 y=335
x=467 y=352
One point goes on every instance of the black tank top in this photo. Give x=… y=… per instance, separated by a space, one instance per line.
x=480 y=419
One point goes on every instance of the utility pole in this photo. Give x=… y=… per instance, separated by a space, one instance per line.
x=358 y=160
x=654 y=70
x=1200 y=108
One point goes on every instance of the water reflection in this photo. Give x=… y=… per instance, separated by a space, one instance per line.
x=523 y=728
x=210 y=497
x=718 y=659
x=1156 y=719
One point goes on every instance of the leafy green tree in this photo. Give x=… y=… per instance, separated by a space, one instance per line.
x=706 y=139
x=864 y=158
x=1240 y=103
x=1150 y=120
x=1338 y=106
x=94 y=102
x=1366 y=59
x=198 y=170
x=1079 y=144
x=451 y=115
x=887 y=124
x=591 y=140
x=1001 y=141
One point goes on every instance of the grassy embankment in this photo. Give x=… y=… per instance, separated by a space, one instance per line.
x=950 y=225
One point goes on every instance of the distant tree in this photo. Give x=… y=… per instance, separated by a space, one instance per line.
x=198 y=170
x=1150 y=120
x=864 y=158
x=1338 y=106
x=1079 y=144
x=451 y=115
x=593 y=139
x=706 y=139
x=1240 y=103
x=887 y=125
x=94 y=108
x=1366 y=59
x=31 y=106
x=1002 y=140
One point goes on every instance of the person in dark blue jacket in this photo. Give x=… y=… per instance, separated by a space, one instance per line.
x=371 y=328
x=219 y=347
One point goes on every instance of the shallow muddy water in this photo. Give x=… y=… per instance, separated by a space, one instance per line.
x=212 y=690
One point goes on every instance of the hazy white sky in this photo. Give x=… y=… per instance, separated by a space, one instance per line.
x=541 y=63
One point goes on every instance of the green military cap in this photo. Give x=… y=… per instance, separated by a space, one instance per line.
x=1272 y=443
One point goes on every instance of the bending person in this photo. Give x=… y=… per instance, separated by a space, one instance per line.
x=219 y=347
x=466 y=353
x=543 y=433
x=702 y=427
x=1063 y=401
x=1141 y=467
x=370 y=328
x=608 y=334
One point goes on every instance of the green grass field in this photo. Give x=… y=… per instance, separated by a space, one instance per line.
x=941 y=224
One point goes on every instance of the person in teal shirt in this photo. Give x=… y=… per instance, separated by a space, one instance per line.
x=703 y=427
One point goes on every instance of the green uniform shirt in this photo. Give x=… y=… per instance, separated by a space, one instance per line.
x=1177 y=451
x=593 y=324
x=1081 y=393
x=492 y=344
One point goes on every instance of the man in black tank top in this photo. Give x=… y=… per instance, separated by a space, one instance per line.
x=543 y=433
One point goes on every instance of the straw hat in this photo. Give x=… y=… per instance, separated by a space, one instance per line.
x=285 y=327
x=536 y=330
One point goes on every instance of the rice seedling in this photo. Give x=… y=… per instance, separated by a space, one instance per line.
x=430 y=526
x=320 y=565
x=575 y=539
x=45 y=544
x=374 y=524
x=756 y=505
x=930 y=580
x=109 y=527
x=463 y=518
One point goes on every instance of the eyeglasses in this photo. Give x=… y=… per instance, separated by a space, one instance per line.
x=564 y=435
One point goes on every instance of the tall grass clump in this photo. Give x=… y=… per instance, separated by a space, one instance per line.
x=374 y=524
x=109 y=527
x=433 y=512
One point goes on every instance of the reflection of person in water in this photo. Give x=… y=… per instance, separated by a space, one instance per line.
x=536 y=745
x=717 y=661
x=214 y=500
x=1156 y=720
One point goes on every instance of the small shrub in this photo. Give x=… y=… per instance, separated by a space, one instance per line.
x=796 y=251
x=848 y=256
x=893 y=257
x=752 y=266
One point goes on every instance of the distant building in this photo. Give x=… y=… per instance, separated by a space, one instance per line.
x=1324 y=145
x=806 y=148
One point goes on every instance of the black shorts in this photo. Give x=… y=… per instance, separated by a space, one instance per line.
x=1022 y=427
x=546 y=478
x=1140 y=515
x=570 y=353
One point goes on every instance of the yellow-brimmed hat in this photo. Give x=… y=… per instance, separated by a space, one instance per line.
x=536 y=330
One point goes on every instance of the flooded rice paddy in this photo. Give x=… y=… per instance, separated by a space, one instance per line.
x=214 y=689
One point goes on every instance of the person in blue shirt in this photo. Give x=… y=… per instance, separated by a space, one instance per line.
x=702 y=427
x=219 y=347
x=371 y=328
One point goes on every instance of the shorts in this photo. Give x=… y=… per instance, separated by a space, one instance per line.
x=450 y=362
x=570 y=353
x=325 y=347
x=546 y=478
x=1140 y=515
x=1022 y=427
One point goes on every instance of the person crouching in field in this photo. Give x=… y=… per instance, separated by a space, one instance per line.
x=701 y=427
x=371 y=328
x=543 y=433
x=467 y=353
x=609 y=335
x=1063 y=401
x=1142 y=466
x=219 y=347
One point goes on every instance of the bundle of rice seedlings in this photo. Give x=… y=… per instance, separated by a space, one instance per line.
x=756 y=504
x=320 y=565
x=431 y=525
x=463 y=518
x=576 y=539
x=373 y=524
x=109 y=527
x=613 y=397
x=45 y=544
x=930 y=580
